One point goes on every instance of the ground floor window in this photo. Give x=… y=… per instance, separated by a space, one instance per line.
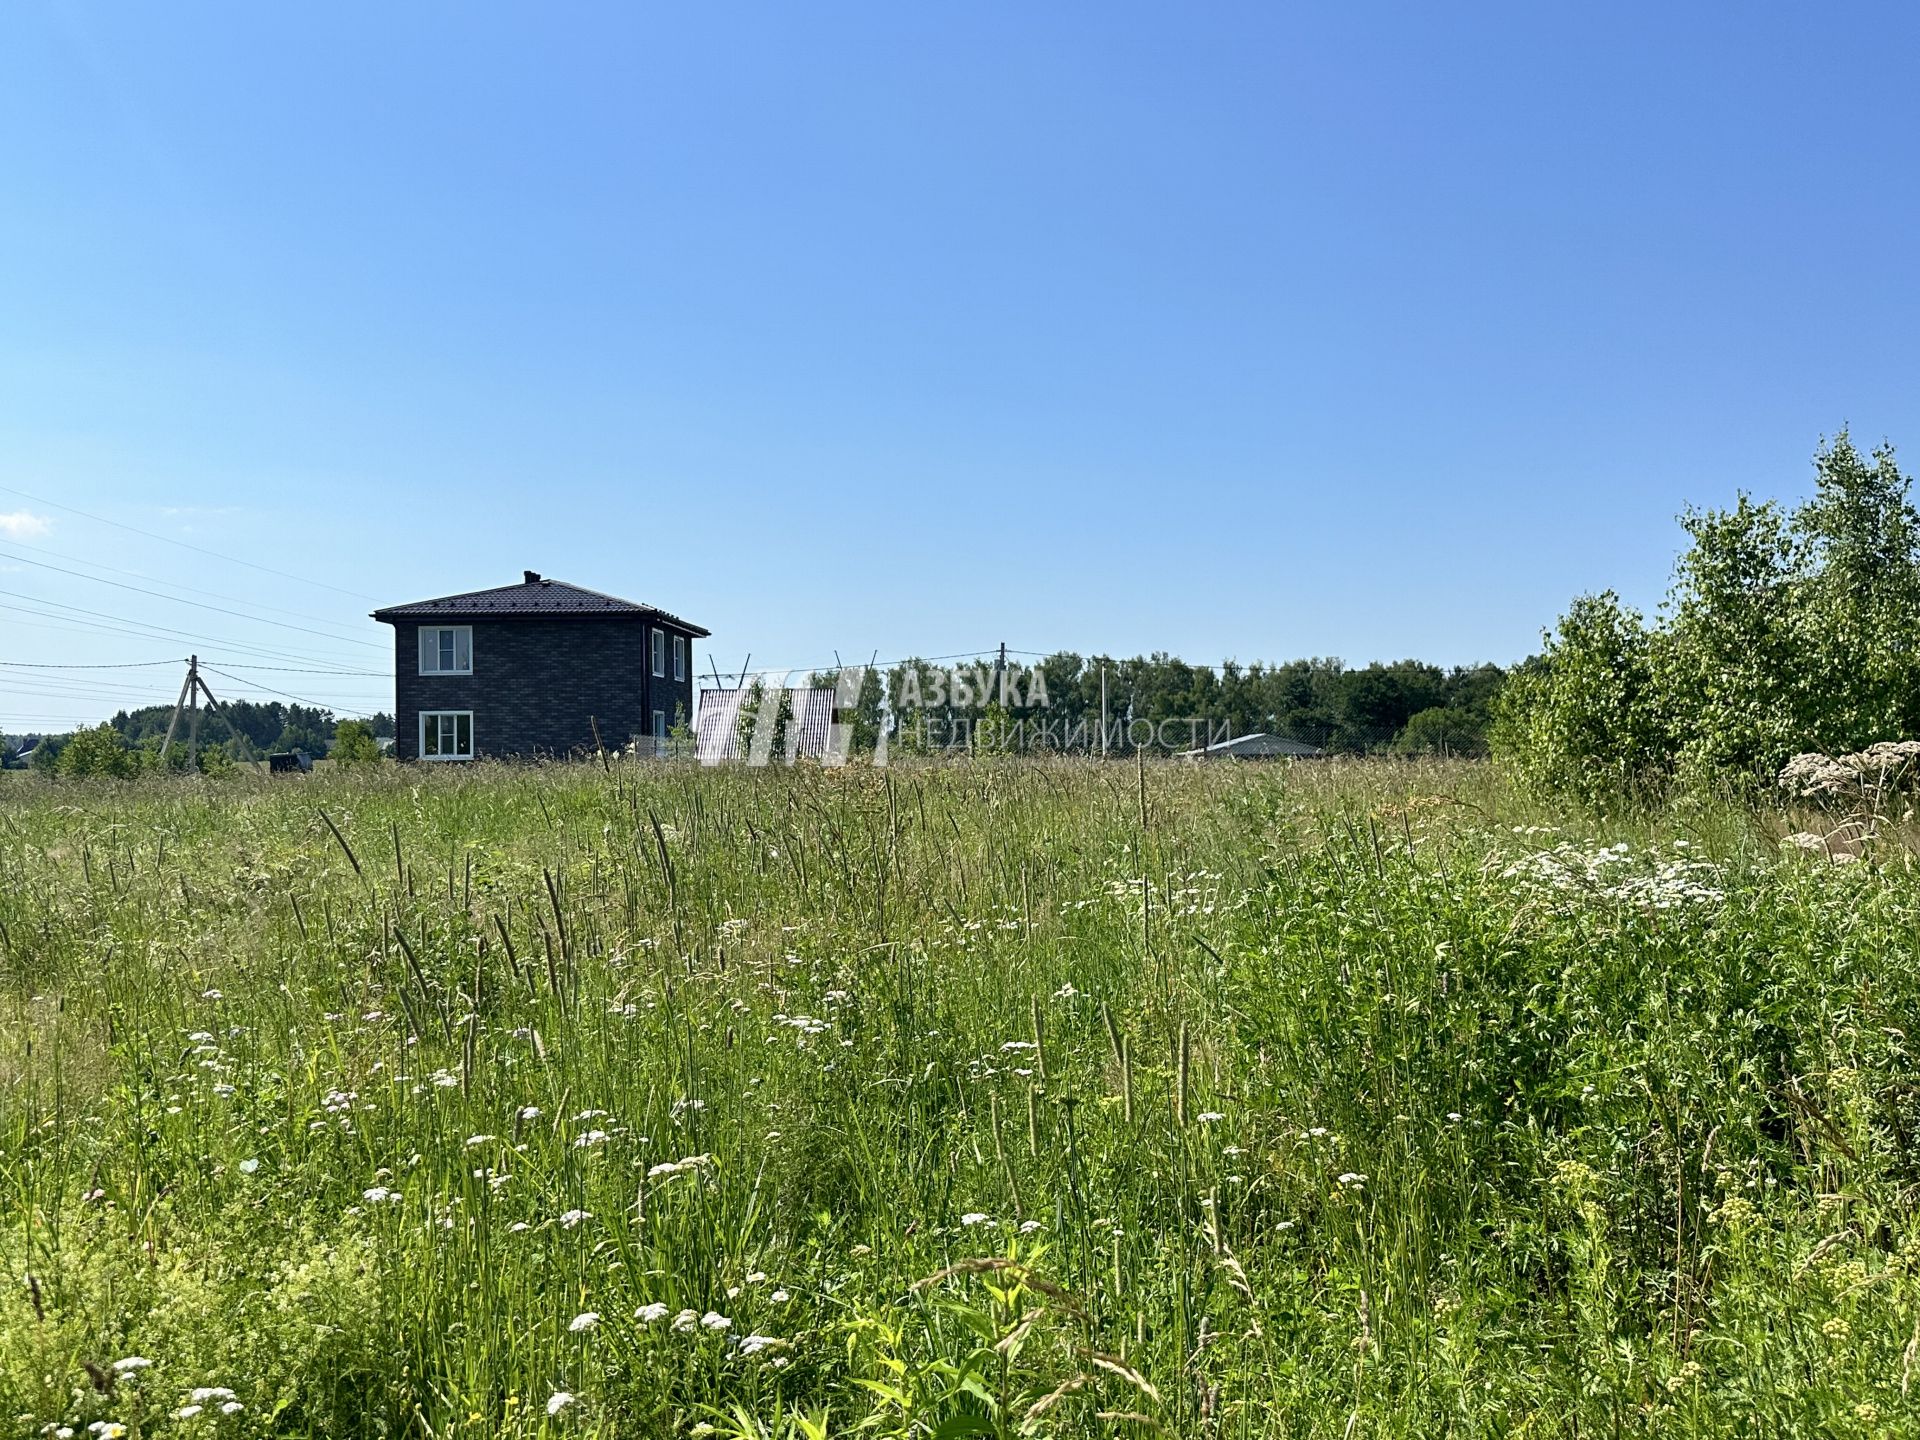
x=446 y=734
x=659 y=724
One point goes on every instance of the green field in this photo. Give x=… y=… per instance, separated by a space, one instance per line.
x=986 y=1099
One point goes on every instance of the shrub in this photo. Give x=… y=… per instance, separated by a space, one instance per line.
x=353 y=744
x=101 y=751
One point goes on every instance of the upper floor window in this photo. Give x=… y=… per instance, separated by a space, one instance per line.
x=679 y=657
x=446 y=649
x=659 y=652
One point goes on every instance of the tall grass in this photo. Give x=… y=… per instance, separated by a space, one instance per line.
x=990 y=1099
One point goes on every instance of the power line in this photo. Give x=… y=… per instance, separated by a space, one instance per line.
x=297 y=670
x=885 y=664
x=172 y=584
x=196 y=604
x=251 y=604
x=157 y=632
x=301 y=699
x=116 y=665
x=184 y=545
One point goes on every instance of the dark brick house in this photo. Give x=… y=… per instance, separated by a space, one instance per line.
x=530 y=669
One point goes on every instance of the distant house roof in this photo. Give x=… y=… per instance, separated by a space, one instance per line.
x=535 y=595
x=717 y=732
x=1254 y=747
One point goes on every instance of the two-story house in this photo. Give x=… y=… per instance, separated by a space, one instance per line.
x=531 y=669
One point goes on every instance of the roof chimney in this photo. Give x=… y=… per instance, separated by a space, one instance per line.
x=533 y=577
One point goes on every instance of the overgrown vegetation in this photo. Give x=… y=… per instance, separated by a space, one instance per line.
x=990 y=1099
x=1785 y=631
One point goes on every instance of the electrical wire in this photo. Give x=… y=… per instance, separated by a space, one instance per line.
x=196 y=604
x=297 y=670
x=184 y=545
x=171 y=584
x=301 y=699
x=157 y=632
x=112 y=665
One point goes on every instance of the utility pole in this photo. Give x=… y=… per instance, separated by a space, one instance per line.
x=191 y=691
x=1103 y=709
x=999 y=688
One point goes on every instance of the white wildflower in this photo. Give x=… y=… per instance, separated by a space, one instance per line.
x=558 y=1401
x=585 y=1320
x=647 y=1314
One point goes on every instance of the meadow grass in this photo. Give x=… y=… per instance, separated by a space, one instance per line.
x=985 y=1099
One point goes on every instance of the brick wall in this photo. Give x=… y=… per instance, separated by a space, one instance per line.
x=539 y=682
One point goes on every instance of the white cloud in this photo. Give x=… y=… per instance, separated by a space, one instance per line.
x=23 y=524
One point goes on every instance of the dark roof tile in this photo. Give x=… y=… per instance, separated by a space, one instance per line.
x=536 y=595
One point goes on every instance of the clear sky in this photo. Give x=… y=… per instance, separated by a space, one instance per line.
x=1243 y=330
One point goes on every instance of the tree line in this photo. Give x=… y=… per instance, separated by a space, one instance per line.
x=241 y=730
x=1162 y=702
x=1785 y=630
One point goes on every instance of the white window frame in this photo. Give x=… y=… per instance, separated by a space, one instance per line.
x=659 y=646
x=460 y=634
x=679 y=657
x=660 y=725
x=436 y=716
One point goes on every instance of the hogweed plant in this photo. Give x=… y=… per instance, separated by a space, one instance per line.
x=1002 y=1098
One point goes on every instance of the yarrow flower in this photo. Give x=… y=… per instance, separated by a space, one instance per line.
x=685 y=1321
x=975 y=1217
x=130 y=1363
x=754 y=1344
x=558 y=1401
x=585 y=1320
x=647 y=1314
x=714 y=1320
x=574 y=1217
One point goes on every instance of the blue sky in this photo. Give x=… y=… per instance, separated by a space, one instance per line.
x=1230 y=330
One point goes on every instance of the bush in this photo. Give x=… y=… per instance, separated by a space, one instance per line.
x=101 y=751
x=353 y=744
x=1442 y=730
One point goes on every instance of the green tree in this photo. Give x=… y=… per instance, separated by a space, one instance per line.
x=1861 y=611
x=99 y=752
x=1583 y=718
x=353 y=744
x=1733 y=678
